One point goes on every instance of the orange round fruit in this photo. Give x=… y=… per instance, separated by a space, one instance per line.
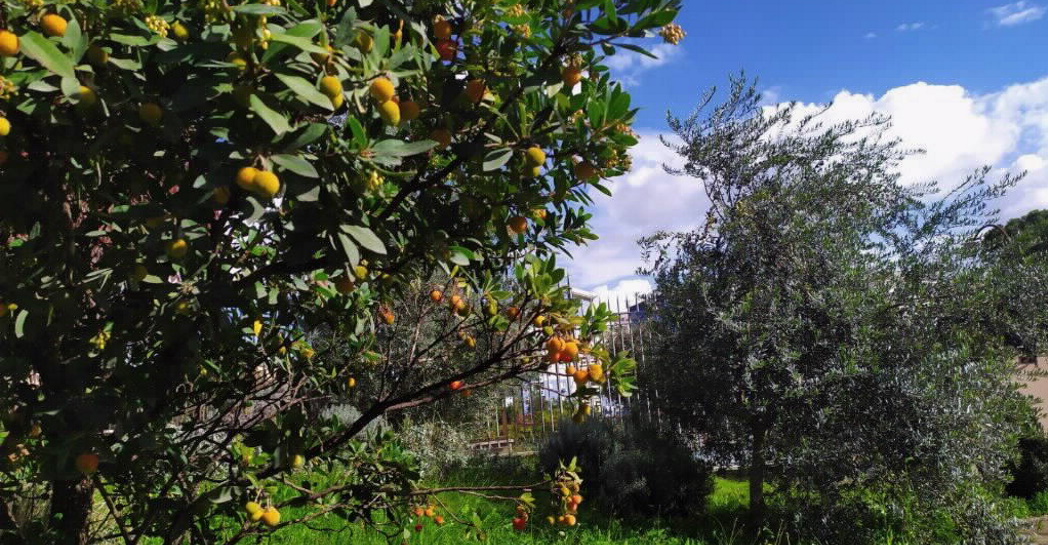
x=456 y=385
x=442 y=137
x=54 y=25
x=409 y=110
x=518 y=225
x=87 y=463
x=475 y=90
x=266 y=184
x=96 y=55
x=441 y=28
x=221 y=195
x=571 y=76
x=345 y=285
x=436 y=296
x=8 y=43
x=570 y=351
x=5 y=126
x=382 y=90
x=569 y=520
x=555 y=344
x=513 y=313
x=581 y=377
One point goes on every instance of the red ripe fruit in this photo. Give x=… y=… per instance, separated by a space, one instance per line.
x=418 y=527
x=457 y=385
x=519 y=524
x=448 y=49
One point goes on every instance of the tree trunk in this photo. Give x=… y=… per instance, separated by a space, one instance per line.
x=756 y=475
x=71 y=509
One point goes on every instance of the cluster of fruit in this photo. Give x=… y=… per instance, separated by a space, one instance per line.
x=423 y=512
x=566 y=498
x=269 y=515
x=520 y=521
x=562 y=349
x=672 y=33
x=447 y=48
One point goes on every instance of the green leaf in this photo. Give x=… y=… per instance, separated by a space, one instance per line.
x=397 y=148
x=274 y=119
x=45 y=52
x=302 y=43
x=306 y=90
x=259 y=9
x=349 y=249
x=360 y=138
x=296 y=164
x=495 y=159
x=367 y=238
x=20 y=323
x=311 y=133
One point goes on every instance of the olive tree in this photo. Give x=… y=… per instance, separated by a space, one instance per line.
x=189 y=190
x=836 y=332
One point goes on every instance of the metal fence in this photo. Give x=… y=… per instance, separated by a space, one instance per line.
x=537 y=406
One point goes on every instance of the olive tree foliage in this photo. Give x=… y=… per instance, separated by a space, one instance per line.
x=157 y=292
x=836 y=332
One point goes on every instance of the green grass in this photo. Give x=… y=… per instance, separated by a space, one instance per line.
x=720 y=527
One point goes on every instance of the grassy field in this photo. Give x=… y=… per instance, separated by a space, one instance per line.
x=719 y=527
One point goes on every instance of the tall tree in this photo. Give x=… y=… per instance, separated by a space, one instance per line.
x=189 y=188
x=830 y=328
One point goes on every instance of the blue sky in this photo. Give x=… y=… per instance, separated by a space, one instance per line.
x=966 y=80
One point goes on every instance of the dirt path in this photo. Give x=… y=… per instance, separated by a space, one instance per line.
x=1038 y=530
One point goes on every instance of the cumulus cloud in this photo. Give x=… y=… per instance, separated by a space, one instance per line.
x=870 y=35
x=909 y=27
x=1017 y=13
x=619 y=295
x=959 y=131
x=629 y=65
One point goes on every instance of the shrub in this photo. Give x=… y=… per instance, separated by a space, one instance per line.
x=438 y=445
x=1030 y=474
x=633 y=468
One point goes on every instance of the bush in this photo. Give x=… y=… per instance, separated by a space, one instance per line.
x=632 y=468
x=439 y=446
x=1030 y=474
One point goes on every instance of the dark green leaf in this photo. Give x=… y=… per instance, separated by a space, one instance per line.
x=45 y=52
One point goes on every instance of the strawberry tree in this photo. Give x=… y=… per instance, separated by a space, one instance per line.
x=191 y=190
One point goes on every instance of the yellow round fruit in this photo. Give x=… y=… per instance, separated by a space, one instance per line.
x=271 y=517
x=535 y=156
x=87 y=95
x=323 y=58
x=246 y=178
x=409 y=110
x=364 y=42
x=96 y=55
x=5 y=126
x=361 y=272
x=518 y=225
x=390 y=112
x=533 y=172
x=596 y=372
x=267 y=184
x=475 y=90
x=178 y=248
x=352 y=382
x=382 y=90
x=151 y=113
x=298 y=461
x=331 y=86
x=53 y=25
x=539 y=321
x=581 y=376
x=139 y=273
x=253 y=507
x=180 y=31
x=442 y=137
x=237 y=59
x=337 y=101
x=8 y=43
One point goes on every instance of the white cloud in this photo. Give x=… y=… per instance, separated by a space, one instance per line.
x=1017 y=13
x=623 y=293
x=958 y=129
x=628 y=65
x=870 y=35
x=909 y=27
